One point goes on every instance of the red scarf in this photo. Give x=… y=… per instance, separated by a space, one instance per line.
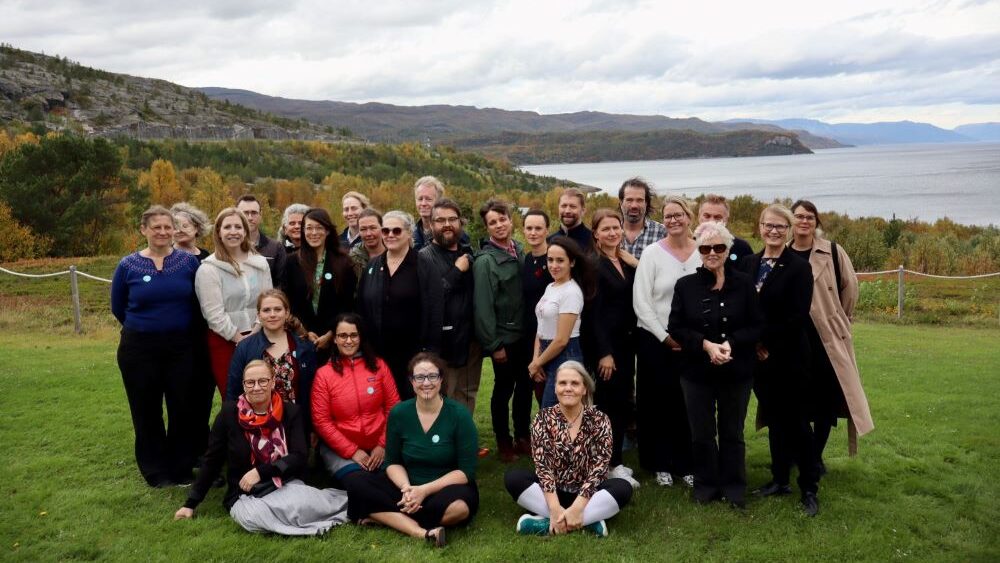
x=265 y=432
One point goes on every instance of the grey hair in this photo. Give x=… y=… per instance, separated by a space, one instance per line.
x=403 y=216
x=197 y=217
x=432 y=182
x=299 y=208
x=588 y=381
x=711 y=229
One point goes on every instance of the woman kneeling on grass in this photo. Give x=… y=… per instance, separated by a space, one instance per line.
x=571 y=444
x=430 y=448
x=260 y=438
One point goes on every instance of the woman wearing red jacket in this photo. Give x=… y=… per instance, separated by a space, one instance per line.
x=351 y=399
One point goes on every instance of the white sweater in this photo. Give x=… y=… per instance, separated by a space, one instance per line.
x=653 y=291
x=229 y=302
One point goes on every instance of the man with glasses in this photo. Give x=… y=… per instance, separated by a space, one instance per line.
x=635 y=197
x=715 y=208
x=447 y=265
x=270 y=249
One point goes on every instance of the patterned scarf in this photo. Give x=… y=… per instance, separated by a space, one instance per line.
x=265 y=432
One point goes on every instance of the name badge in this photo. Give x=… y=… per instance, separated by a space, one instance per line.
x=371 y=390
x=435 y=438
x=328 y=276
x=147 y=278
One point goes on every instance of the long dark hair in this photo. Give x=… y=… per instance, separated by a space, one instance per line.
x=307 y=256
x=582 y=270
x=367 y=351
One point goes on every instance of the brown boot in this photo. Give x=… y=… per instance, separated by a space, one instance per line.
x=522 y=446
x=506 y=453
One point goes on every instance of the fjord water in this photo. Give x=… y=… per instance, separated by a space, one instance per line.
x=960 y=181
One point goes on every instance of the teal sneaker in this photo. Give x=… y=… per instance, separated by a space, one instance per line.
x=531 y=525
x=599 y=529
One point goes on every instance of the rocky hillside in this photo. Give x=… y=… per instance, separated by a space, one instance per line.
x=58 y=94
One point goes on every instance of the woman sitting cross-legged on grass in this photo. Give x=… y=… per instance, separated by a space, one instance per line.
x=351 y=398
x=430 y=448
x=260 y=439
x=571 y=445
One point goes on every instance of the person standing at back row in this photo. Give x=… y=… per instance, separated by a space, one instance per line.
x=635 y=198
x=715 y=209
x=572 y=208
x=272 y=250
x=426 y=192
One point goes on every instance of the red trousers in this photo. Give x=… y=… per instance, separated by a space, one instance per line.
x=220 y=352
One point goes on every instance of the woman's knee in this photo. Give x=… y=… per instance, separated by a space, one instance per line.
x=517 y=480
x=457 y=512
x=619 y=489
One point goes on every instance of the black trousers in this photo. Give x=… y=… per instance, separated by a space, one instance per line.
x=719 y=466
x=662 y=419
x=783 y=406
x=370 y=493
x=510 y=379
x=157 y=367
x=614 y=395
x=202 y=391
x=517 y=480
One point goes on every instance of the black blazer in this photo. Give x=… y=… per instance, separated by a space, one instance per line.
x=336 y=291
x=730 y=314
x=785 y=298
x=446 y=303
x=371 y=296
x=228 y=444
x=608 y=319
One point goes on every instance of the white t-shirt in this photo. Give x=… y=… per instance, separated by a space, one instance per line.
x=557 y=300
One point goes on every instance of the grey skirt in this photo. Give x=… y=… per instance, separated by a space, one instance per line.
x=296 y=509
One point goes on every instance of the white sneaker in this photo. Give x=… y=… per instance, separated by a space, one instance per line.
x=619 y=472
x=689 y=480
x=632 y=481
x=664 y=479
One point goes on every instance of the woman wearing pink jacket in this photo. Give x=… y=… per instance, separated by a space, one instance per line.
x=351 y=398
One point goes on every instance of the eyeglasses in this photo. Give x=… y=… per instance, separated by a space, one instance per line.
x=251 y=383
x=447 y=220
x=716 y=248
x=673 y=217
x=348 y=336
x=426 y=377
x=395 y=231
x=772 y=227
x=804 y=217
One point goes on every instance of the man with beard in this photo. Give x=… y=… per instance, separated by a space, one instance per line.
x=447 y=265
x=370 y=230
x=716 y=208
x=572 y=207
x=271 y=250
x=636 y=199
x=499 y=320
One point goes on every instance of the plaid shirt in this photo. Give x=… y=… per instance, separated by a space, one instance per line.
x=651 y=232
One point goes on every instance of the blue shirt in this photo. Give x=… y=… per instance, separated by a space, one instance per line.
x=145 y=299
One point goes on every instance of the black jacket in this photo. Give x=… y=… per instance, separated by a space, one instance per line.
x=274 y=252
x=371 y=295
x=785 y=298
x=447 y=303
x=228 y=444
x=730 y=314
x=608 y=319
x=336 y=292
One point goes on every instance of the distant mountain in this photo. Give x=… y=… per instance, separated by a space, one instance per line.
x=444 y=123
x=884 y=133
x=55 y=93
x=980 y=131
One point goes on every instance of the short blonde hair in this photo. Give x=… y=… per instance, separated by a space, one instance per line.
x=782 y=211
x=432 y=182
x=365 y=202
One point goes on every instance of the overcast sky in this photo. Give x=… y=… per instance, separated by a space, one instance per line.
x=834 y=60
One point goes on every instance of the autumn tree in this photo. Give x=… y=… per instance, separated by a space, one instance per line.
x=207 y=190
x=161 y=183
x=18 y=241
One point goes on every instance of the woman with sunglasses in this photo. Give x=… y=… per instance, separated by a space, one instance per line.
x=661 y=419
x=430 y=448
x=715 y=319
x=351 y=399
x=781 y=376
x=837 y=391
x=281 y=342
x=319 y=280
x=389 y=297
x=259 y=438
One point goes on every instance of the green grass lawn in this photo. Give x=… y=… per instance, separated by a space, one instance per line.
x=924 y=487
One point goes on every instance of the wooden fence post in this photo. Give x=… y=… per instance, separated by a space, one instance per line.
x=75 y=289
x=901 y=294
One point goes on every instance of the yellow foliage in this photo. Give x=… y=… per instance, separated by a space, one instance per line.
x=18 y=241
x=162 y=184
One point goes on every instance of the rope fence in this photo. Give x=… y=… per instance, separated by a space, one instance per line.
x=74 y=274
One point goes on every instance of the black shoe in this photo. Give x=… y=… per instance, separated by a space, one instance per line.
x=810 y=504
x=772 y=488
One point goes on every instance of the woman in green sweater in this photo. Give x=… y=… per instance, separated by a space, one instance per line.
x=430 y=452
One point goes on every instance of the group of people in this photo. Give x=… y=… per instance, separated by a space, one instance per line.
x=366 y=346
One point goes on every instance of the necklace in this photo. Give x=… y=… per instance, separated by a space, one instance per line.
x=571 y=422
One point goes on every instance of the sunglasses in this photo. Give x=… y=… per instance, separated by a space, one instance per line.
x=395 y=231
x=716 y=248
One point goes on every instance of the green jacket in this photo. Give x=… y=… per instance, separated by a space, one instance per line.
x=499 y=310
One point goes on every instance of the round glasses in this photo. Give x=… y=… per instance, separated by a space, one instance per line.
x=251 y=383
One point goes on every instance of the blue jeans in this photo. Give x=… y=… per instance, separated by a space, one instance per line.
x=572 y=351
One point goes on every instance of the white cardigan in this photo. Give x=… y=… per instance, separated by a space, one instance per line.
x=229 y=302
x=653 y=292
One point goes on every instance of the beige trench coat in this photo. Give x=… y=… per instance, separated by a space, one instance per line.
x=832 y=312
